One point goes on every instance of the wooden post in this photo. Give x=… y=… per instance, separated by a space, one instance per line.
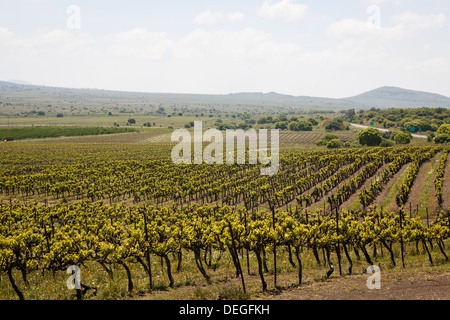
x=237 y=257
x=272 y=207
x=147 y=253
x=248 y=258
x=401 y=237
x=338 y=250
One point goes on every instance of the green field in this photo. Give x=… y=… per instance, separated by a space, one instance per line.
x=39 y=132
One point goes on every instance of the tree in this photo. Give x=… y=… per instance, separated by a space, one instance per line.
x=442 y=138
x=402 y=138
x=386 y=143
x=335 y=143
x=313 y=121
x=370 y=137
x=327 y=138
x=60 y=115
x=131 y=121
x=349 y=114
x=335 y=124
x=301 y=125
x=444 y=129
x=282 y=125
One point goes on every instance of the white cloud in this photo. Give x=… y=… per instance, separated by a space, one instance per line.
x=405 y=25
x=357 y=58
x=139 y=44
x=240 y=46
x=283 y=10
x=209 y=17
x=235 y=16
x=412 y=21
x=5 y=33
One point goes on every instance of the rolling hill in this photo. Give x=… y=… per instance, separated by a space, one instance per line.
x=385 y=97
x=392 y=97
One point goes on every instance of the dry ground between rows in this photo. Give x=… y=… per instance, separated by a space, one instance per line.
x=423 y=194
x=394 y=286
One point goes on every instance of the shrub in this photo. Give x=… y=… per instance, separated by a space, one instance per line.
x=402 y=138
x=335 y=125
x=301 y=125
x=281 y=125
x=333 y=144
x=327 y=138
x=386 y=143
x=370 y=137
x=444 y=129
x=442 y=138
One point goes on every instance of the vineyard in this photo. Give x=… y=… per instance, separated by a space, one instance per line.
x=127 y=209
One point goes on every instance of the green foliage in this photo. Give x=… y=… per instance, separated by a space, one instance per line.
x=327 y=138
x=132 y=121
x=282 y=125
x=333 y=144
x=426 y=119
x=442 y=138
x=444 y=129
x=402 y=138
x=386 y=143
x=370 y=137
x=336 y=124
x=191 y=124
x=313 y=121
x=302 y=125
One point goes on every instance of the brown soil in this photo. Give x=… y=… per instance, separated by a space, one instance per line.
x=387 y=188
x=394 y=286
x=416 y=195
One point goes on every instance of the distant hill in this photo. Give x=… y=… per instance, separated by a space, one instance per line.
x=20 y=82
x=385 y=97
x=391 y=97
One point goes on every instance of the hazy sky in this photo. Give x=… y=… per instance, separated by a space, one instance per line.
x=322 y=48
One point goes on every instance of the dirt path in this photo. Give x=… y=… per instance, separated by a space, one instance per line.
x=386 y=198
x=394 y=286
x=423 y=193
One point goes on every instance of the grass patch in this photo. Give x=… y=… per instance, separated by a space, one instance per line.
x=395 y=187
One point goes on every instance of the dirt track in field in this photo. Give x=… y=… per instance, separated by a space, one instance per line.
x=423 y=193
x=394 y=286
